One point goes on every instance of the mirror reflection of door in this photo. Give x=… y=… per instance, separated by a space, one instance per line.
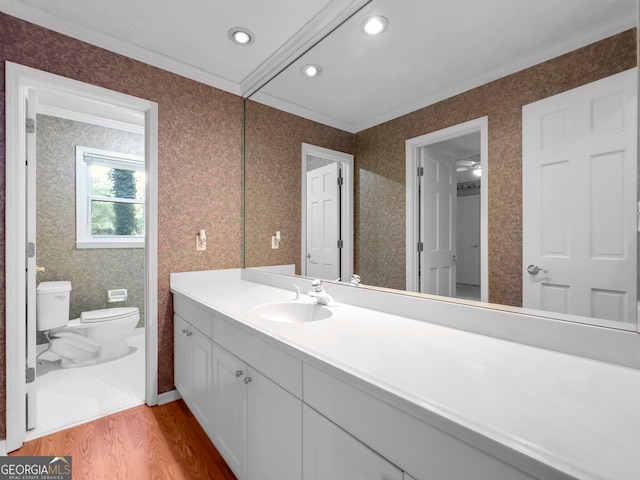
x=327 y=211
x=468 y=274
x=449 y=205
x=323 y=219
x=579 y=150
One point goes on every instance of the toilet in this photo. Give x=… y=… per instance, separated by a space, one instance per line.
x=97 y=336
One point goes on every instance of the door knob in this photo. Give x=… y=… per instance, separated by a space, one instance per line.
x=247 y=379
x=534 y=269
x=238 y=373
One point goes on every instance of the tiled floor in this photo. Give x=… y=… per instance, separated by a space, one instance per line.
x=468 y=292
x=70 y=396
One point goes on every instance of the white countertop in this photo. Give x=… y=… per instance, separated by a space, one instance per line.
x=579 y=416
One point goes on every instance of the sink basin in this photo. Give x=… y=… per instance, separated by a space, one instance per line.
x=292 y=312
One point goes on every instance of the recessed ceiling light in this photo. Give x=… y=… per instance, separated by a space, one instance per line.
x=241 y=36
x=375 y=25
x=311 y=70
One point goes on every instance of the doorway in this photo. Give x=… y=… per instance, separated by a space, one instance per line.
x=446 y=212
x=26 y=83
x=327 y=213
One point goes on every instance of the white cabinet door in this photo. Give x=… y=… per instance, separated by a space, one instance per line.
x=193 y=362
x=274 y=431
x=330 y=452
x=181 y=371
x=230 y=409
x=201 y=364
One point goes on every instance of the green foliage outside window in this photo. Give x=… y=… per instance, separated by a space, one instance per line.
x=116 y=218
x=124 y=186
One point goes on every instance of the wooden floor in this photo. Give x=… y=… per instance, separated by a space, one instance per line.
x=146 y=443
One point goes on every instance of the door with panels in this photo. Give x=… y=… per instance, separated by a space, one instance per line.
x=193 y=364
x=579 y=200
x=275 y=431
x=230 y=409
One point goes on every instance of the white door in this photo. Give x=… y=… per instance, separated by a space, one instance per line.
x=31 y=260
x=274 y=431
x=438 y=226
x=181 y=356
x=230 y=409
x=201 y=355
x=468 y=245
x=579 y=200
x=323 y=222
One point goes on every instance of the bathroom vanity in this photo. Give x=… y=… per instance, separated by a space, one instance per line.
x=366 y=393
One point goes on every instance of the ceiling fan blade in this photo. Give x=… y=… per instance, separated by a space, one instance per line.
x=465 y=163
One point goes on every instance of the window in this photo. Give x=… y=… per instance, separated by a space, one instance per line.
x=110 y=193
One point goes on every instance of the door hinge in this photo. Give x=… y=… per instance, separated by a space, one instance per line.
x=31 y=125
x=421 y=171
x=31 y=250
x=340 y=244
x=420 y=247
x=340 y=181
x=30 y=376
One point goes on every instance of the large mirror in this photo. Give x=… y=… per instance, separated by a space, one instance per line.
x=467 y=93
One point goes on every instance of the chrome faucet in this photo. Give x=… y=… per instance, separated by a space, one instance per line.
x=320 y=294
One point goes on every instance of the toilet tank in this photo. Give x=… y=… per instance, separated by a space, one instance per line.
x=52 y=305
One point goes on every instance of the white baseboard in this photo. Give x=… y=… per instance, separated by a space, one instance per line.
x=168 y=397
x=3 y=448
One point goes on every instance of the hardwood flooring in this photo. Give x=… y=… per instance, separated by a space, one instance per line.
x=145 y=443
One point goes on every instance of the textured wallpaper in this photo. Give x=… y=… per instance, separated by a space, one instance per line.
x=200 y=168
x=273 y=173
x=380 y=164
x=91 y=271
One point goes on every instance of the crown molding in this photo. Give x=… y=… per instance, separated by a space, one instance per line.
x=322 y=24
x=29 y=14
x=505 y=70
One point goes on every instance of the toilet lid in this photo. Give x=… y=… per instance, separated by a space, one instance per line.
x=107 y=314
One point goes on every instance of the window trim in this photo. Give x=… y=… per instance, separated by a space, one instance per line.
x=84 y=239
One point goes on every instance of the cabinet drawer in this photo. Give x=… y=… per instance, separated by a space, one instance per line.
x=282 y=368
x=196 y=316
x=420 y=449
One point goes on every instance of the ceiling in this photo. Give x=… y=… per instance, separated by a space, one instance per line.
x=431 y=50
x=190 y=37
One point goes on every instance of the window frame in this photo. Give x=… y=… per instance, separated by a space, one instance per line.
x=124 y=161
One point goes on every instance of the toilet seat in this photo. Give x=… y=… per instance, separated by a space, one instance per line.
x=107 y=314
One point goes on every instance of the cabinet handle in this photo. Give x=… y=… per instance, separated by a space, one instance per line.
x=238 y=373
x=247 y=379
x=189 y=333
x=184 y=330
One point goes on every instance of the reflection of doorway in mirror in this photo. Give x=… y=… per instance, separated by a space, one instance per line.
x=468 y=245
x=445 y=218
x=449 y=200
x=327 y=213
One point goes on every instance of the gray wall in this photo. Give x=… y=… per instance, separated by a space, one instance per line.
x=91 y=271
